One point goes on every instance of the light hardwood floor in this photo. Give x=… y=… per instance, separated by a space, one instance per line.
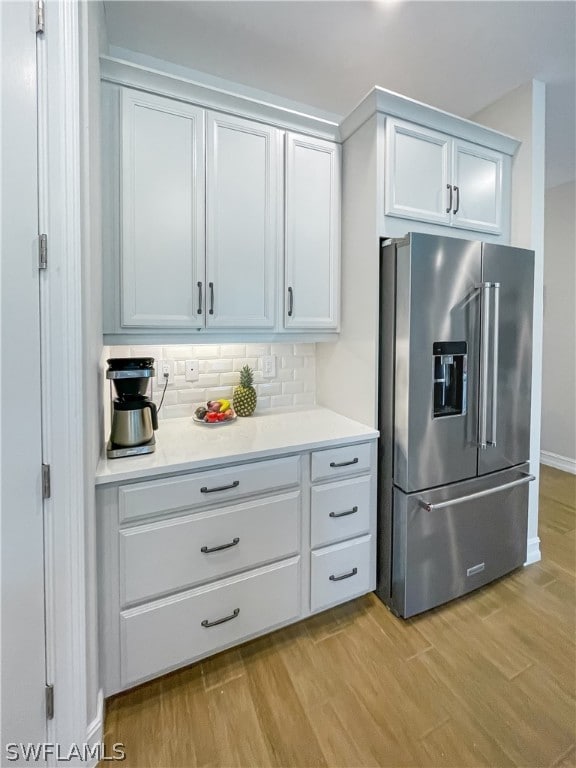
x=488 y=680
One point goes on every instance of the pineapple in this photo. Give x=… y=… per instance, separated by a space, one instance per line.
x=244 y=401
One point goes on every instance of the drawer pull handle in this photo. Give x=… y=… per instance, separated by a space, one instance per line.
x=207 y=550
x=353 y=572
x=344 y=514
x=223 y=620
x=344 y=463
x=235 y=484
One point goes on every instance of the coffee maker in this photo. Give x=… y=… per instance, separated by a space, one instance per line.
x=134 y=416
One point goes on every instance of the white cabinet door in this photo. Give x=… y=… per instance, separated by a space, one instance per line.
x=162 y=216
x=417 y=173
x=477 y=175
x=243 y=196
x=312 y=256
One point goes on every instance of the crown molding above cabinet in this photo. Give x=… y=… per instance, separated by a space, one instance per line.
x=153 y=81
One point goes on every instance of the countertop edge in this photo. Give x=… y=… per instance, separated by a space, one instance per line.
x=149 y=473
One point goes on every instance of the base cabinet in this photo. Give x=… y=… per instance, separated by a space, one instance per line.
x=159 y=637
x=182 y=577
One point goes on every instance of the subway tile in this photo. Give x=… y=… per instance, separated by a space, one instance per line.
x=293 y=362
x=280 y=401
x=285 y=374
x=195 y=396
x=272 y=388
x=176 y=411
x=206 y=351
x=292 y=387
x=307 y=398
x=281 y=349
x=171 y=398
x=294 y=383
x=208 y=380
x=257 y=350
x=215 y=393
x=143 y=351
x=303 y=374
x=177 y=352
x=240 y=362
x=230 y=379
x=218 y=366
x=232 y=350
x=305 y=350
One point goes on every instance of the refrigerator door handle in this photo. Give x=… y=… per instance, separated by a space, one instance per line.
x=484 y=349
x=495 y=342
x=462 y=499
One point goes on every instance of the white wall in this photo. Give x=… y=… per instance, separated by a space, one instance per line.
x=521 y=113
x=347 y=370
x=559 y=342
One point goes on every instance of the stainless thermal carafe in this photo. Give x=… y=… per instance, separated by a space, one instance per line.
x=133 y=422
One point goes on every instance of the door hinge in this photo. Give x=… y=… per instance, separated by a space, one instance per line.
x=45 y=481
x=40 y=20
x=49 y=702
x=43 y=252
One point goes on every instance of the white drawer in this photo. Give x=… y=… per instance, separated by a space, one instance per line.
x=340 y=511
x=340 y=572
x=203 y=488
x=160 y=636
x=168 y=555
x=339 y=462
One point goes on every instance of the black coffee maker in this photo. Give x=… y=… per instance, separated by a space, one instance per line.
x=134 y=415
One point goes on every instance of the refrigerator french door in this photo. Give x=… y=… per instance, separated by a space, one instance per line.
x=454 y=404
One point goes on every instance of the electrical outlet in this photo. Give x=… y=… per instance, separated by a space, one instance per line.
x=269 y=366
x=165 y=368
x=191 y=370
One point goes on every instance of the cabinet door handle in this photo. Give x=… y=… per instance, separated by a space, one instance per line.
x=199 y=310
x=344 y=514
x=211 y=310
x=224 y=619
x=207 y=550
x=353 y=572
x=290 y=301
x=333 y=464
x=457 y=208
x=449 y=186
x=235 y=484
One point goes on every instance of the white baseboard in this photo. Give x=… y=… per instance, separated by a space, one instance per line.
x=558 y=462
x=533 y=554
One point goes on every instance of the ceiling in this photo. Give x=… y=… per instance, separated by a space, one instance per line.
x=459 y=56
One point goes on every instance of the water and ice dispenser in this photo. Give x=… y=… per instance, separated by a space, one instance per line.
x=450 y=378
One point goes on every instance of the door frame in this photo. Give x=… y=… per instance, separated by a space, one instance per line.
x=62 y=217
x=23 y=665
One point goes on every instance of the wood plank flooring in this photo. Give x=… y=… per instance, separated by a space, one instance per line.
x=488 y=680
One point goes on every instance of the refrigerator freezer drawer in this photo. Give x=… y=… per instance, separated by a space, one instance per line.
x=452 y=540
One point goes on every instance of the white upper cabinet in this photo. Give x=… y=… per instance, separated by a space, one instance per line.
x=162 y=211
x=436 y=178
x=243 y=210
x=478 y=177
x=312 y=238
x=417 y=172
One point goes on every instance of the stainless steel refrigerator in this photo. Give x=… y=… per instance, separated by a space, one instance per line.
x=454 y=416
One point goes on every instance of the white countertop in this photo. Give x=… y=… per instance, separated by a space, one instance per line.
x=183 y=445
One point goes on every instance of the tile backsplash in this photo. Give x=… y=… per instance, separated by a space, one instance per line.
x=219 y=372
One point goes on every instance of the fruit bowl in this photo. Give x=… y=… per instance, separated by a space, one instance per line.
x=214 y=413
x=214 y=423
